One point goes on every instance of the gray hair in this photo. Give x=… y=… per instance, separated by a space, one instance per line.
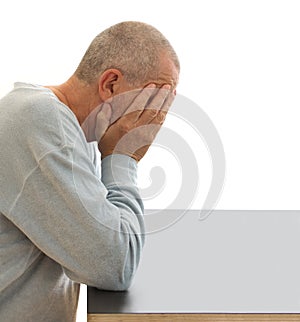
x=134 y=48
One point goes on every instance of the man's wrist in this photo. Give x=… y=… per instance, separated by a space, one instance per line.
x=118 y=169
x=134 y=157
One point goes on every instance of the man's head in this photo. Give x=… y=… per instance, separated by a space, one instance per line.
x=127 y=56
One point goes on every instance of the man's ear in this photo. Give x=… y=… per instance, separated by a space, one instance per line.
x=109 y=83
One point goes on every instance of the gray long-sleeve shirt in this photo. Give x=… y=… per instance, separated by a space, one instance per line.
x=60 y=223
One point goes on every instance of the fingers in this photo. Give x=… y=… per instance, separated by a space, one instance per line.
x=156 y=111
x=140 y=102
x=159 y=99
x=162 y=113
x=134 y=131
x=168 y=102
x=102 y=121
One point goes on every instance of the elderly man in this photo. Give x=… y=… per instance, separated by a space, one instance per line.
x=64 y=220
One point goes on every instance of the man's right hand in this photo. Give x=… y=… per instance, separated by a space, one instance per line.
x=133 y=133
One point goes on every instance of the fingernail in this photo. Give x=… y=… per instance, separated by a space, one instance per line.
x=151 y=86
x=167 y=86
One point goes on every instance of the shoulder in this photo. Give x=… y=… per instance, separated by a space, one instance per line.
x=33 y=115
x=38 y=104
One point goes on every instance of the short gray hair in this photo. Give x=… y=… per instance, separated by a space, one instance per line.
x=134 y=48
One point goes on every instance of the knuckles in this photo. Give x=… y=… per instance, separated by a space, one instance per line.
x=152 y=113
x=125 y=127
x=161 y=117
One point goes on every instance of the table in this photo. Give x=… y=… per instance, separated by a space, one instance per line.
x=236 y=265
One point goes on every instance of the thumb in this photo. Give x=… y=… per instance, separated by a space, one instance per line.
x=102 y=121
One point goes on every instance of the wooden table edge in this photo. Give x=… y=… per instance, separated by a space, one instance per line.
x=194 y=317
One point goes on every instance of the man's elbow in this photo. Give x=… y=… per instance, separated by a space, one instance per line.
x=116 y=279
x=121 y=285
x=120 y=273
x=126 y=273
x=114 y=269
x=130 y=260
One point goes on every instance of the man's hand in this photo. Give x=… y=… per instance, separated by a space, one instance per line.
x=135 y=130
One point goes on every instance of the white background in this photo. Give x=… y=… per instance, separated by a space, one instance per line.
x=240 y=64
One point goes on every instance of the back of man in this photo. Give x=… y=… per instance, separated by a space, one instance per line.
x=30 y=121
x=63 y=220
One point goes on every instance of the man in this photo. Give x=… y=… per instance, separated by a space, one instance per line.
x=61 y=224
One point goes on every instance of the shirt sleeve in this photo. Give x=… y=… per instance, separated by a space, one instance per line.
x=92 y=227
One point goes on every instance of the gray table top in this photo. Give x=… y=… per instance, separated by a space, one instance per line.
x=242 y=261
